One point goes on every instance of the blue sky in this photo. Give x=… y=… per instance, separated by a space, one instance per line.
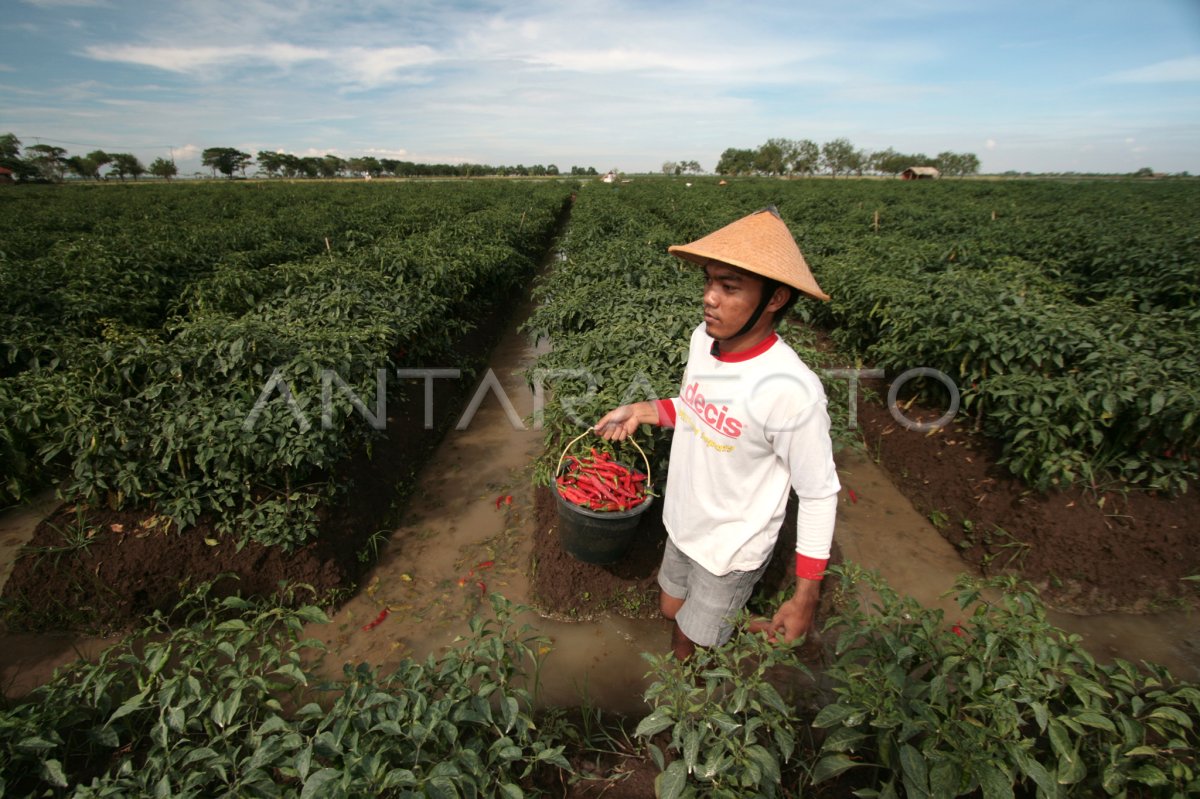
x=1085 y=86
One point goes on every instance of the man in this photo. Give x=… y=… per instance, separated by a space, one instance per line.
x=750 y=424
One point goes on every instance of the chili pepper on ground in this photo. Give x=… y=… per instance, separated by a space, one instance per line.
x=853 y=496
x=371 y=625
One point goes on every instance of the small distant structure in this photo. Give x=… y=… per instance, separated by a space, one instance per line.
x=920 y=173
x=610 y=176
x=6 y=175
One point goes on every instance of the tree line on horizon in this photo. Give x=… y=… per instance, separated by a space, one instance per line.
x=48 y=163
x=790 y=157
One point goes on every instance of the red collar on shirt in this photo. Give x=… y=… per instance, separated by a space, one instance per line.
x=744 y=355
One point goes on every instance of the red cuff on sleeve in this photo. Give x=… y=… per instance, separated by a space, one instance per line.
x=810 y=568
x=666 y=413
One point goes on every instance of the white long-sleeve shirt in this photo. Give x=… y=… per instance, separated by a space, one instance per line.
x=749 y=426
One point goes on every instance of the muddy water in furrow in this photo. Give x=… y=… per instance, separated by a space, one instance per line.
x=468 y=533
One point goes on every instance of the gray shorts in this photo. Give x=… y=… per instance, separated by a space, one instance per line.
x=711 y=602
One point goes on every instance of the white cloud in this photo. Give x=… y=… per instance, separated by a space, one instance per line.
x=990 y=144
x=361 y=66
x=191 y=59
x=370 y=67
x=1175 y=70
x=68 y=3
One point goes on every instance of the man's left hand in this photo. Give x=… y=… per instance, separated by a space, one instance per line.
x=795 y=616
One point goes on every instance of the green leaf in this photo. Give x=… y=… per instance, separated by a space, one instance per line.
x=830 y=766
x=293 y=671
x=1173 y=714
x=52 y=772
x=916 y=775
x=672 y=782
x=834 y=714
x=653 y=724
x=36 y=744
x=319 y=783
x=691 y=748
x=943 y=779
x=1096 y=720
x=994 y=782
x=1148 y=774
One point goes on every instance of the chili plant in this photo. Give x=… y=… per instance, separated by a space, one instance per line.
x=719 y=718
x=997 y=701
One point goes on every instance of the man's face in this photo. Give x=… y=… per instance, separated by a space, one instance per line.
x=730 y=296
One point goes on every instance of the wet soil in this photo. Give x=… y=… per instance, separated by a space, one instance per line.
x=1086 y=551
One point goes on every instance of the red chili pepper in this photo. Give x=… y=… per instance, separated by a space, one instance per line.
x=487 y=564
x=482 y=588
x=853 y=496
x=383 y=614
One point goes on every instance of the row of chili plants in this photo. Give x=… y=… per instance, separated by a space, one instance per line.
x=218 y=698
x=262 y=359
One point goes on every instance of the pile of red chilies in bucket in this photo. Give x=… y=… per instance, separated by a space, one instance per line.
x=597 y=482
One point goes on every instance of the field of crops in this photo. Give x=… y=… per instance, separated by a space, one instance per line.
x=153 y=337
x=168 y=348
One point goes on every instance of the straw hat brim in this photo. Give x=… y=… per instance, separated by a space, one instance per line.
x=760 y=243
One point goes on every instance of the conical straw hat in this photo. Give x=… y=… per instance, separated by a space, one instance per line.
x=760 y=243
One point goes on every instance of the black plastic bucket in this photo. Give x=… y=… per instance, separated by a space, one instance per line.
x=599 y=537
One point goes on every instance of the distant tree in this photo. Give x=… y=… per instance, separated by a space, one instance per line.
x=127 y=164
x=88 y=166
x=736 y=162
x=776 y=157
x=958 y=164
x=271 y=162
x=671 y=168
x=551 y=169
x=10 y=149
x=225 y=160
x=806 y=158
x=1144 y=172
x=890 y=162
x=309 y=166
x=857 y=161
x=49 y=161
x=79 y=166
x=691 y=167
x=770 y=158
x=332 y=166
x=162 y=168
x=837 y=156
x=368 y=165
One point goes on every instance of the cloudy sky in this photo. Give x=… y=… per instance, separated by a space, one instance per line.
x=1038 y=85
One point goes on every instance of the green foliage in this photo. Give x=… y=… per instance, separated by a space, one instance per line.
x=220 y=704
x=731 y=732
x=998 y=701
x=152 y=339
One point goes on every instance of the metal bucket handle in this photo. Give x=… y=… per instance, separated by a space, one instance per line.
x=630 y=439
